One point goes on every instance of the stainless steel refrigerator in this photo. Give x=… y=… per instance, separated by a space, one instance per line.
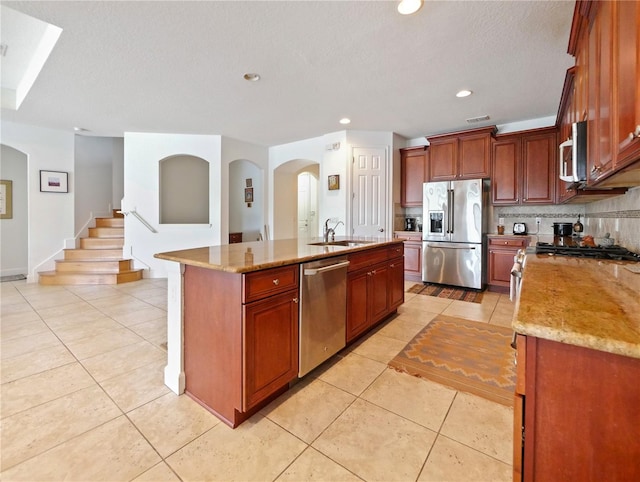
x=453 y=233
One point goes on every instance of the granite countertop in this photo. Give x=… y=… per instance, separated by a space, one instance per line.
x=585 y=302
x=258 y=255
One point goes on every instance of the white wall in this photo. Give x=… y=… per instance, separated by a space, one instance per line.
x=117 y=171
x=93 y=179
x=50 y=215
x=14 y=256
x=332 y=204
x=256 y=216
x=142 y=154
x=524 y=125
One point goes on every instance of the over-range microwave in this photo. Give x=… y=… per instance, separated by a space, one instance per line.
x=573 y=154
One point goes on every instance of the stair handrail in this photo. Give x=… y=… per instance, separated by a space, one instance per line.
x=139 y=218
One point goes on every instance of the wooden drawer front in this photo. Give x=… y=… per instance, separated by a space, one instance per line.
x=268 y=282
x=510 y=242
x=362 y=259
x=395 y=251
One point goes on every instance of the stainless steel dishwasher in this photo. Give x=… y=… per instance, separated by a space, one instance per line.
x=323 y=311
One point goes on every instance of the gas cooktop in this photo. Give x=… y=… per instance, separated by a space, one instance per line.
x=599 y=252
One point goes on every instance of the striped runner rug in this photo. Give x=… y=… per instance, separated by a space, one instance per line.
x=450 y=292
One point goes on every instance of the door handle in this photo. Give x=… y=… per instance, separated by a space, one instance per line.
x=324 y=269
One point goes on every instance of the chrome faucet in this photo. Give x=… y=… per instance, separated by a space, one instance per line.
x=328 y=230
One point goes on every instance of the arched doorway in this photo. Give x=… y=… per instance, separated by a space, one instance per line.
x=286 y=216
x=14 y=227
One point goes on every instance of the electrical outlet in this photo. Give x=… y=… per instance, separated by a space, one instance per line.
x=538 y=220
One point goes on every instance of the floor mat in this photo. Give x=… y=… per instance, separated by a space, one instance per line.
x=450 y=292
x=465 y=355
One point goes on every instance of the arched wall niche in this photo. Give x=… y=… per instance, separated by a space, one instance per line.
x=246 y=179
x=184 y=190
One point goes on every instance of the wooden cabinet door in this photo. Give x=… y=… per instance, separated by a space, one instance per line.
x=539 y=168
x=501 y=253
x=443 y=160
x=377 y=299
x=395 y=289
x=413 y=260
x=413 y=171
x=626 y=82
x=357 y=319
x=270 y=348
x=474 y=157
x=599 y=128
x=500 y=264
x=506 y=171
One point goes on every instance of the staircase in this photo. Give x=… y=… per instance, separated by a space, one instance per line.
x=98 y=261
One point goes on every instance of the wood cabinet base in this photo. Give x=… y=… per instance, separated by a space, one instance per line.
x=581 y=414
x=233 y=418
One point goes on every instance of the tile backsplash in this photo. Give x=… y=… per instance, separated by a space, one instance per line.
x=619 y=216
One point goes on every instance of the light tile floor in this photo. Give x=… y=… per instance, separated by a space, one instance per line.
x=83 y=398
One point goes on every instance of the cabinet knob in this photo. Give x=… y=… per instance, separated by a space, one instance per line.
x=596 y=169
x=276 y=281
x=295 y=300
x=634 y=134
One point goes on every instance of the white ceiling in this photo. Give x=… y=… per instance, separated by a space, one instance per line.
x=178 y=67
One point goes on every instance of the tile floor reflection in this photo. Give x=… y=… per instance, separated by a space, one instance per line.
x=83 y=398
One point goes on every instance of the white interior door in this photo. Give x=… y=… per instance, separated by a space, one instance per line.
x=370 y=191
x=307 y=205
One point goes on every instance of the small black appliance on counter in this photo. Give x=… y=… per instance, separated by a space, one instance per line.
x=519 y=228
x=409 y=224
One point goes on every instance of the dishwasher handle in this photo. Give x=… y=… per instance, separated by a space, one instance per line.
x=324 y=269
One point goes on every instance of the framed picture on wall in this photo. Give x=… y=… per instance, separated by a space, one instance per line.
x=248 y=195
x=6 y=199
x=54 y=181
x=334 y=182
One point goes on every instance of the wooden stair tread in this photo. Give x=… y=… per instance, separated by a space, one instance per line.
x=98 y=259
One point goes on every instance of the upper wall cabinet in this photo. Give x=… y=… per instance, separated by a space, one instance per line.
x=626 y=82
x=461 y=155
x=413 y=165
x=607 y=35
x=524 y=167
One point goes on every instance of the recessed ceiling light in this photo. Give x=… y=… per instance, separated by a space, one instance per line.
x=252 y=77
x=345 y=120
x=407 y=7
x=464 y=93
x=80 y=130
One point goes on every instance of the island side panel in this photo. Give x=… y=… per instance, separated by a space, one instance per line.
x=213 y=339
x=174 y=371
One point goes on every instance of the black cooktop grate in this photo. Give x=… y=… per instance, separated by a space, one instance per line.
x=599 y=252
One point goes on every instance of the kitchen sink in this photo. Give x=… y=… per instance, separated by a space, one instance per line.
x=346 y=242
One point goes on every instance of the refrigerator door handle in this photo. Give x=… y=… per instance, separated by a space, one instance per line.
x=451 y=211
x=439 y=246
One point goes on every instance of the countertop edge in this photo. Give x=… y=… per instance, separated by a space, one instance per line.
x=582 y=340
x=336 y=251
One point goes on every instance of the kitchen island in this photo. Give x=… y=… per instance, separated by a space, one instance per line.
x=577 y=395
x=233 y=314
